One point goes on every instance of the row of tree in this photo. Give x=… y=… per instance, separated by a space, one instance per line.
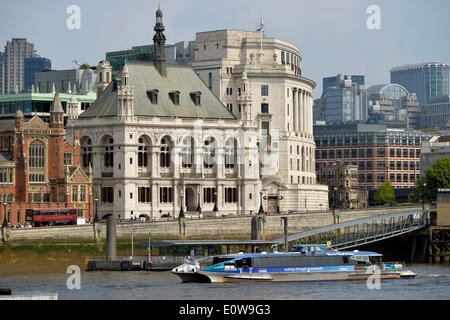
x=427 y=186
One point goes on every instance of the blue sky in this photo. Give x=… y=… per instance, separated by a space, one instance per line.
x=332 y=34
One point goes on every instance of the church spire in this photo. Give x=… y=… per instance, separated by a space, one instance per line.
x=159 y=43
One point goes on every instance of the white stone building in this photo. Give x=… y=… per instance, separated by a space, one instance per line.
x=160 y=141
x=260 y=81
x=157 y=137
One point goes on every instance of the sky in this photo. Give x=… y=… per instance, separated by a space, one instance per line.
x=332 y=35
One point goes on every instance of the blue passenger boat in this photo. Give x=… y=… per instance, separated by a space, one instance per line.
x=303 y=263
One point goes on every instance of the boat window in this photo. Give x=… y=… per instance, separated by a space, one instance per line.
x=243 y=263
x=345 y=259
x=360 y=258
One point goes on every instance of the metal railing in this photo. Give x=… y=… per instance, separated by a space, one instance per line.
x=362 y=231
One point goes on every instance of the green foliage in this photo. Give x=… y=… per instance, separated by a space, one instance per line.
x=385 y=194
x=436 y=177
x=432 y=130
x=85 y=66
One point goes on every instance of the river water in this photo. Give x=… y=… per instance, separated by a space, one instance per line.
x=432 y=283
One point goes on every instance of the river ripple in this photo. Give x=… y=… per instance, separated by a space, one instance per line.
x=433 y=283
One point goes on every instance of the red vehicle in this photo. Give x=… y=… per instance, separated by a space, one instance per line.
x=51 y=217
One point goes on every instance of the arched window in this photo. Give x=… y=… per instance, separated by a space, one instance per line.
x=230 y=153
x=187 y=156
x=36 y=154
x=108 y=151
x=165 y=152
x=209 y=153
x=143 y=152
x=86 y=152
x=107 y=77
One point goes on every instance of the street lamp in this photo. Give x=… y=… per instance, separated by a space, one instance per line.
x=261 y=209
x=334 y=204
x=424 y=196
x=215 y=209
x=5 y=223
x=199 y=209
x=96 y=215
x=181 y=206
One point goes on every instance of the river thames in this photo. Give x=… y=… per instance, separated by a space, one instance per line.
x=432 y=283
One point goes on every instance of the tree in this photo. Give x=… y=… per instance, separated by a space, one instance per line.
x=435 y=178
x=385 y=194
x=85 y=66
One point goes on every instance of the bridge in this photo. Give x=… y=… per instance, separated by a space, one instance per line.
x=361 y=231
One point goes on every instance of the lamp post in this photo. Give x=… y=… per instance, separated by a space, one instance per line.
x=5 y=223
x=334 y=205
x=181 y=206
x=215 y=209
x=261 y=209
x=95 y=218
x=424 y=196
x=199 y=209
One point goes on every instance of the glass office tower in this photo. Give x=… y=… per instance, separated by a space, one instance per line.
x=427 y=80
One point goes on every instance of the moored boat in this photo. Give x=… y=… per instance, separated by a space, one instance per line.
x=303 y=263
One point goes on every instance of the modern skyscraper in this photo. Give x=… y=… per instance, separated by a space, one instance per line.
x=427 y=80
x=16 y=51
x=33 y=65
x=344 y=97
x=2 y=73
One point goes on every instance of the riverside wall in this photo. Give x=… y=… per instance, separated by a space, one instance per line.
x=211 y=228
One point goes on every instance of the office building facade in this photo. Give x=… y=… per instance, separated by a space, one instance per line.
x=346 y=100
x=380 y=153
x=435 y=114
x=32 y=66
x=427 y=80
x=16 y=51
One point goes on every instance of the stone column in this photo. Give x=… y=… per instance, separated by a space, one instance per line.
x=310 y=114
x=294 y=109
x=305 y=111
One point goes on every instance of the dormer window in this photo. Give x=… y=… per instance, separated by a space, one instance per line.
x=153 y=96
x=195 y=96
x=175 y=97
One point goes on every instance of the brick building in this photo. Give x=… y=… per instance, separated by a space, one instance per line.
x=343 y=177
x=39 y=169
x=380 y=153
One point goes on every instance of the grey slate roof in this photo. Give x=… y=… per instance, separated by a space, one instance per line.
x=145 y=77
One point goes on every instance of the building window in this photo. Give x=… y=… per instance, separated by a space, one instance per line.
x=166 y=194
x=6 y=175
x=195 y=97
x=264 y=108
x=209 y=195
x=143 y=149
x=165 y=153
x=144 y=195
x=187 y=155
x=109 y=153
x=210 y=80
x=209 y=153
x=175 y=97
x=67 y=159
x=265 y=128
x=231 y=195
x=230 y=153
x=86 y=152
x=74 y=194
x=36 y=154
x=82 y=194
x=107 y=195
x=153 y=96
x=264 y=90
